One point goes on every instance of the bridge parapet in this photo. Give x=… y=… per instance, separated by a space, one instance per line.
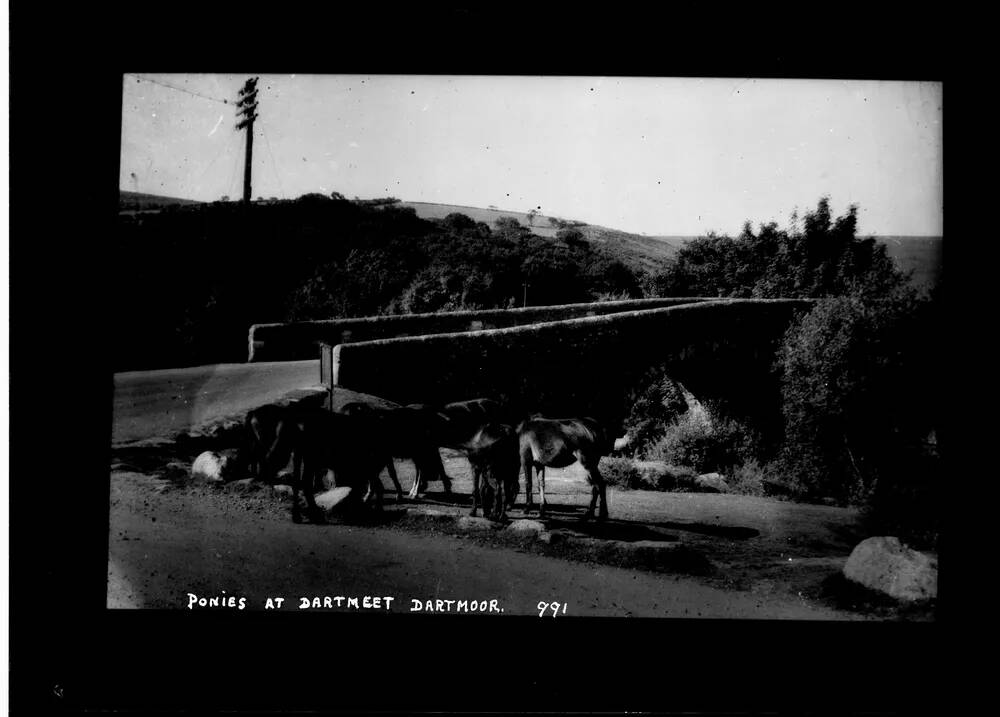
x=582 y=365
x=300 y=340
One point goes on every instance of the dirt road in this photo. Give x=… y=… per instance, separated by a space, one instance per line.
x=206 y=540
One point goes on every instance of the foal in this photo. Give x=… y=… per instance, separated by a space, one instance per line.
x=493 y=455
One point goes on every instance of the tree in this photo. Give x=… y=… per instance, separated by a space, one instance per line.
x=860 y=398
x=509 y=227
x=458 y=223
x=573 y=238
x=822 y=257
x=532 y=213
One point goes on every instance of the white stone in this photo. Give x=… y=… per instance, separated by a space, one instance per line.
x=332 y=497
x=526 y=526
x=886 y=565
x=711 y=482
x=211 y=466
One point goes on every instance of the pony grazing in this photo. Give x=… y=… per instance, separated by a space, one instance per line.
x=317 y=441
x=260 y=425
x=453 y=425
x=561 y=442
x=496 y=465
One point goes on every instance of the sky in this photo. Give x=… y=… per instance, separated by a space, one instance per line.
x=660 y=156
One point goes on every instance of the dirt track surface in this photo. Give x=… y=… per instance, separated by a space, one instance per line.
x=168 y=541
x=165 y=402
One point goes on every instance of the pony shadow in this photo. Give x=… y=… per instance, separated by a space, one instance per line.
x=612 y=530
x=718 y=531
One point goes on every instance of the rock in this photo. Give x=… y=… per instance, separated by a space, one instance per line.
x=550 y=538
x=332 y=497
x=467 y=522
x=527 y=526
x=652 y=545
x=655 y=474
x=887 y=566
x=711 y=483
x=212 y=467
x=244 y=484
x=432 y=513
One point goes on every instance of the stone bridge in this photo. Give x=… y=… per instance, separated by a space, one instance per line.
x=300 y=340
x=722 y=350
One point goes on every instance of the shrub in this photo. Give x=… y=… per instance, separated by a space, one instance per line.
x=620 y=472
x=656 y=401
x=754 y=478
x=705 y=444
x=853 y=415
x=645 y=475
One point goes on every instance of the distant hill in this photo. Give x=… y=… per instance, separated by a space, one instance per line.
x=139 y=201
x=920 y=254
x=636 y=250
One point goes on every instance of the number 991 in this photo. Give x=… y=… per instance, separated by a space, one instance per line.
x=554 y=607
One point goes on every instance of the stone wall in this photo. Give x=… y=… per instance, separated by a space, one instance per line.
x=300 y=340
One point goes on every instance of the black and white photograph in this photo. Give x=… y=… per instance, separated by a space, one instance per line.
x=527 y=346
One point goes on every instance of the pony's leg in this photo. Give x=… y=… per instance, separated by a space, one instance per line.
x=526 y=461
x=296 y=480
x=475 y=491
x=415 y=488
x=379 y=490
x=438 y=468
x=597 y=488
x=603 y=512
x=501 y=502
x=390 y=466
x=311 y=475
x=541 y=490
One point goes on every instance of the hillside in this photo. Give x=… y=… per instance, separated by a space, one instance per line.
x=636 y=250
x=920 y=254
x=139 y=201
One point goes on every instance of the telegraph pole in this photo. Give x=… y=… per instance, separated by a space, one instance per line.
x=247 y=104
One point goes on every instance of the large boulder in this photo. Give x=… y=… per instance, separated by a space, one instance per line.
x=887 y=566
x=213 y=467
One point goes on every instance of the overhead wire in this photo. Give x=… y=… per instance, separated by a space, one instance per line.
x=225 y=146
x=274 y=165
x=232 y=178
x=179 y=89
